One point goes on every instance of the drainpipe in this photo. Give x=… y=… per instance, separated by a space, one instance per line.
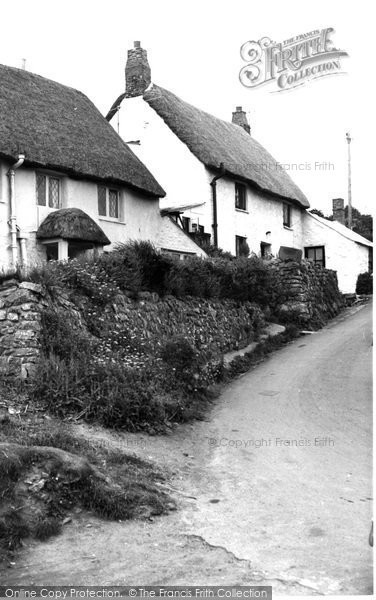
x=213 y=184
x=13 y=215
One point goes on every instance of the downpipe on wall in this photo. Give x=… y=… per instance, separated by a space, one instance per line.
x=213 y=184
x=13 y=213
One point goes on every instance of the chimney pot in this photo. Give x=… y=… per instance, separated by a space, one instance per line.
x=137 y=44
x=239 y=109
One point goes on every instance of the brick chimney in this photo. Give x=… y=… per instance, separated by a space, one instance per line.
x=240 y=118
x=339 y=210
x=137 y=71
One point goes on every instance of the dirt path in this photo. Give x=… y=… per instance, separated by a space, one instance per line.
x=294 y=516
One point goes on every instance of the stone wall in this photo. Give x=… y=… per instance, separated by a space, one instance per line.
x=309 y=293
x=20 y=313
x=213 y=325
x=216 y=325
x=308 y=297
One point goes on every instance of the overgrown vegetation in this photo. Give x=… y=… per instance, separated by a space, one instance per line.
x=102 y=371
x=117 y=380
x=137 y=266
x=46 y=474
x=364 y=284
x=97 y=367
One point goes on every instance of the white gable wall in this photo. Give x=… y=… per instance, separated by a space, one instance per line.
x=176 y=169
x=346 y=257
x=187 y=181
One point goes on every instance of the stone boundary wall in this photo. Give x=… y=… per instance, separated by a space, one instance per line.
x=20 y=313
x=215 y=325
x=308 y=297
x=210 y=324
x=309 y=293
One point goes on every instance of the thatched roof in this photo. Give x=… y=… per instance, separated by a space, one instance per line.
x=72 y=224
x=58 y=127
x=214 y=141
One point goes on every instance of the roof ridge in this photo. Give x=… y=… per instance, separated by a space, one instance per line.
x=329 y=224
x=213 y=141
x=58 y=126
x=38 y=76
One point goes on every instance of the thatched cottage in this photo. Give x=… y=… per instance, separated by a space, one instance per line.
x=68 y=183
x=221 y=184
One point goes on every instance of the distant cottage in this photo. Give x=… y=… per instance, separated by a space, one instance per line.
x=221 y=185
x=68 y=183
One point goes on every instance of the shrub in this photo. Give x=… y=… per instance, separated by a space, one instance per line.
x=364 y=284
x=154 y=266
x=82 y=275
x=193 y=277
x=178 y=353
x=124 y=268
x=61 y=338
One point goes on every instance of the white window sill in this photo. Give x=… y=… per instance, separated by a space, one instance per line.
x=288 y=228
x=241 y=210
x=110 y=220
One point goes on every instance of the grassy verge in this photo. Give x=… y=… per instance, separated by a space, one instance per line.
x=46 y=474
x=242 y=364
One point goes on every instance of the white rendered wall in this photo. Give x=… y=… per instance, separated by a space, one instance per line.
x=139 y=214
x=346 y=257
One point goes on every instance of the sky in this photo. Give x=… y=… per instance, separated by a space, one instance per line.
x=194 y=51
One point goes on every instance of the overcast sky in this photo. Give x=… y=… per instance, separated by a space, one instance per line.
x=194 y=51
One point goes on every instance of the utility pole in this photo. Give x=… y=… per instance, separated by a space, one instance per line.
x=349 y=201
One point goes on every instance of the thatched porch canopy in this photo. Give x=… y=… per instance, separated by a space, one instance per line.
x=72 y=224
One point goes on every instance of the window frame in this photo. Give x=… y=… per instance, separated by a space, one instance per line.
x=108 y=191
x=321 y=262
x=287 y=222
x=240 y=186
x=48 y=178
x=239 y=239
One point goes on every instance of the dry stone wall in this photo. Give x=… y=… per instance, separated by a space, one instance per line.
x=20 y=314
x=309 y=296
x=309 y=293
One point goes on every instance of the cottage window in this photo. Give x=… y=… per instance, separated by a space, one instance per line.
x=48 y=191
x=108 y=202
x=240 y=196
x=286 y=215
x=242 y=248
x=315 y=254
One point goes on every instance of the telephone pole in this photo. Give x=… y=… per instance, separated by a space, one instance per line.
x=349 y=201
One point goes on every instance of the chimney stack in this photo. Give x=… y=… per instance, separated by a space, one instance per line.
x=240 y=118
x=339 y=210
x=137 y=71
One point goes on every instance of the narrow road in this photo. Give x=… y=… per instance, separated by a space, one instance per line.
x=275 y=487
x=290 y=462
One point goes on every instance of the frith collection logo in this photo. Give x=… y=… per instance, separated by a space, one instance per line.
x=290 y=63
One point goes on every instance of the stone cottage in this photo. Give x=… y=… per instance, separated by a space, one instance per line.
x=68 y=183
x=221 y=185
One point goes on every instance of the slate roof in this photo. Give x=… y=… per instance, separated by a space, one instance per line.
x=342 y=230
